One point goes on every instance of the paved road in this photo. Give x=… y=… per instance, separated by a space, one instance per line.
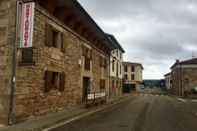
x=142 y=113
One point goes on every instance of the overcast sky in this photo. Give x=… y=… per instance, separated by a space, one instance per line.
x=153 y=32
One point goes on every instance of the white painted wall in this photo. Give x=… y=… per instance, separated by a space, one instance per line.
x=117 y=57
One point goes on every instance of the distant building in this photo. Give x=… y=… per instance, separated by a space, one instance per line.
x=154 y=83
x=132 y=76
x=168 y=80
x=116 y=68
x=184 y=76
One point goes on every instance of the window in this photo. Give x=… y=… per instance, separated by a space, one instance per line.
x=120 y=56
x=120 y=69
x=87 y=63
x=103 y=62
x=125 y=68
x=113 y=64
x=117 y=84
x=54 y=80
x=87 y=53
x=102 y=84
x=27 y=56
x=133 y=68
x=54 y=38
x=117 y=69
x=132 y=77
x=126 y=77
x=113 y=84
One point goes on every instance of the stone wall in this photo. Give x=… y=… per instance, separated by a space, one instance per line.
x=7 y=39
x=30 y=97
x=183 y=80
x=189 y=79
x=175 y=81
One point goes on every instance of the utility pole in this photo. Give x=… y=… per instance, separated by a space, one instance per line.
x=11 y=115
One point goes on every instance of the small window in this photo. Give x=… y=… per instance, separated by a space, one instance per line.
x=132 y=77
x=133 y=68
x=113 y=84
x=117 y=69
x=126 y=77
x=125 y=68
x=54 y=38
x=87 y=63
x=113 y=64
x=103 y=62
x=54 y=80
x=27 y=56
x=102 y=84
x=120 y=69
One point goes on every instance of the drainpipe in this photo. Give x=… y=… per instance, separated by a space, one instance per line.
x=11 y=114
x=109 y=91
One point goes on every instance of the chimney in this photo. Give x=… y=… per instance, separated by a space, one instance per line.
x=177 y=60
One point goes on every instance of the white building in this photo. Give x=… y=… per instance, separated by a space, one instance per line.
x=168 y=81
x=116 y=68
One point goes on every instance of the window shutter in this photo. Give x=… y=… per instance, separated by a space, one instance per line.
x=49 y=35
x=27 y=55
x=63 y=48
x=101 y=61
x=91 y=54
x=102 y=84
x=48 y=78
x=62 y=82
x=105 y=62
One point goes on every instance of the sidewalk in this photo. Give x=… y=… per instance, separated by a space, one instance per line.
x=41 y=123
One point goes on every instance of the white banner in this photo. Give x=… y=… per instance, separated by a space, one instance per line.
x=27 y=24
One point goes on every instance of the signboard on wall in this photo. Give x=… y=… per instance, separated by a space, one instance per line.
x=27 y=24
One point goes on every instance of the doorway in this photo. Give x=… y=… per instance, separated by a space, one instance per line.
x=86 y=88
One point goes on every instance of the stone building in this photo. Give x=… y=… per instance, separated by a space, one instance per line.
x=116 y=68
x=68 y=59
x=133 y=76
x=184 y=77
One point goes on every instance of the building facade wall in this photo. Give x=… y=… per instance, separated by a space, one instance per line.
x=137 y=73
x=116 y=73
x=7 y=40
x=168 y=82
x=189 y=79
x=132 y=76
x=30 y=96
x=183 y=80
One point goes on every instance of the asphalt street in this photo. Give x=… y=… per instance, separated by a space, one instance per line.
x=141 y=113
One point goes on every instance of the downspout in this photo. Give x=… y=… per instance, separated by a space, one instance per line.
x=109 y=92
x=11 y=114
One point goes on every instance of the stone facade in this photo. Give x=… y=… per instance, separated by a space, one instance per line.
x=183 y=79
x=30 y=96
x=7 y=40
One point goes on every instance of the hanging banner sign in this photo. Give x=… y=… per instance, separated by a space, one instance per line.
x=27 y=24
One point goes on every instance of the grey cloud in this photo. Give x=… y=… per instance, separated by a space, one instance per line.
x=154 y=32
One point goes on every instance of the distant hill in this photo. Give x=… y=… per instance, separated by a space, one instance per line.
x=154 y=83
